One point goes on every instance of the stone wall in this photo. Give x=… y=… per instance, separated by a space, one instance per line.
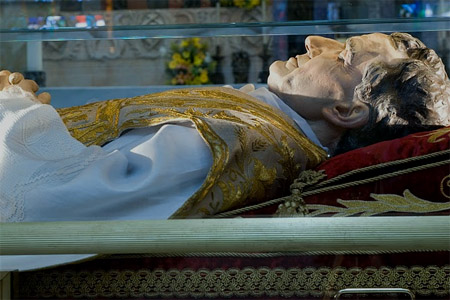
x=138 y=61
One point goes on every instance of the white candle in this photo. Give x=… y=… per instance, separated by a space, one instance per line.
x=34 y=56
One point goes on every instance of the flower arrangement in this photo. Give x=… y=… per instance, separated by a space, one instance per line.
x=247 y=4
x=190 y=63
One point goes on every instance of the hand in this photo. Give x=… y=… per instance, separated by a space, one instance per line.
x=249 y=87
x=8 y=79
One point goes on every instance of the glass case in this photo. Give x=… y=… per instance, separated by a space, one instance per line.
x=83 y=51
x=133 y=43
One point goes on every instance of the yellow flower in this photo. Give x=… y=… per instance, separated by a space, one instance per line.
x=184 y=43
x=189 y=59
x=196 y=81
x=204 y=76
x=183 y=62
x=186 y=54
x=198 y=60
x=176 y=56
x=254 y=3
x=196 y=42
x=239 y=3
x=172 y=64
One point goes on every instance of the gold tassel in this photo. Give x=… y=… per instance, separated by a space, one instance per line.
x=295 y=206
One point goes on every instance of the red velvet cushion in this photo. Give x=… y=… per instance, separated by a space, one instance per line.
x=412 y=145
x=413 y=169
x=408 y=176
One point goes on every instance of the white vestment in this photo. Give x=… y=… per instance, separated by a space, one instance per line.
x=146 y=173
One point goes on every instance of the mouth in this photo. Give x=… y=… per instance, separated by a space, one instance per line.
x=297 y=61
x=291 y=63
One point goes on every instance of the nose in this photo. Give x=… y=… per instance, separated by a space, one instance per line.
x=316 y=45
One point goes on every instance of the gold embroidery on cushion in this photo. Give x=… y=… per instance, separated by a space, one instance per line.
x=327 y=185
x=382 y=204
x=445 y=186
x=232 y=282
x=436 y=135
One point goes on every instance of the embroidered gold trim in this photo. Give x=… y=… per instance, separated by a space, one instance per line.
x=436 y=135
x=383 y=203
x=247 y=166
x=233 y=282
x=108 y=114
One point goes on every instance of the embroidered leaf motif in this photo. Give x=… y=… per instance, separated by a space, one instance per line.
x=382 y=204
x=222 y=115
x=259 y=145
x=436 y=136
x=287 y=160
x=263 y=178
x=263 y=174
x=242 y=136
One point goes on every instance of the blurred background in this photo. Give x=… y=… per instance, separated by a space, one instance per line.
x=73 y=43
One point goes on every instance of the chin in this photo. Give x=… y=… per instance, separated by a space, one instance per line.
x=271 y=85
x=273 y=89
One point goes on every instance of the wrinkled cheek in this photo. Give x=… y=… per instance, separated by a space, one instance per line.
x=300 y=84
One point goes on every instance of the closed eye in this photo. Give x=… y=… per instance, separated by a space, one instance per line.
x=346 y=56
x=349 y=51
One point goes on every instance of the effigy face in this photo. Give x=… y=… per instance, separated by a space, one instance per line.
x=330 y=70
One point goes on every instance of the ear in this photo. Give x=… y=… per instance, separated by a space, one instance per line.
x=347 y=115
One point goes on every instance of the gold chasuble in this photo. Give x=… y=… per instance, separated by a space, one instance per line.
x=257 y=151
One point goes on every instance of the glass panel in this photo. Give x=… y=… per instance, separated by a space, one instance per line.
x=52 y=14
x=116 y=43
x=73 y=20
x=152 y=62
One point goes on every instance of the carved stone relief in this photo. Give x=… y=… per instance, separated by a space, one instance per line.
x=152 y=52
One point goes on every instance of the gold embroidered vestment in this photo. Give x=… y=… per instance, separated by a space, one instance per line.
x=257 y=151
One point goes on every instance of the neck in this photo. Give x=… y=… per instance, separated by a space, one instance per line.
x=327 y=134
x=310 y=109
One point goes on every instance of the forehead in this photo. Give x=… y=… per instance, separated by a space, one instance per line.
x=369 y=40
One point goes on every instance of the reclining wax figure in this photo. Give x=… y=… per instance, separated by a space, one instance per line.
x=198 y=152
